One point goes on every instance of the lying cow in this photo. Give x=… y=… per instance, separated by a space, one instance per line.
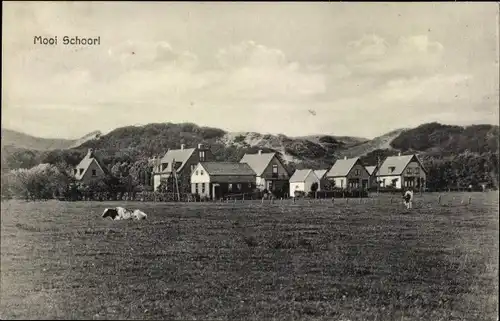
x=120 y=213
x=408 y=199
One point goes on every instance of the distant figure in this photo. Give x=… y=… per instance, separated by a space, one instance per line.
x=121 y=213
x=408 y=199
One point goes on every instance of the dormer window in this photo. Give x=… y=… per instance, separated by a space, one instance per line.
x=392 y=169
x=201 y=155
x=163 y=166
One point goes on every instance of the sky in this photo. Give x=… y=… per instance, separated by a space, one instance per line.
x=296 y=68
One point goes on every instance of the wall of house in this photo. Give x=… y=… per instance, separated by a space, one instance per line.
x=388 y=181
x=268 y=172
x=201 y=188
x=191 y=163
x=340 y=182
x=304 y=186
x=199 y=175
x=412 y=166
x=157 y=178
x=298 y=186
x=88 y=174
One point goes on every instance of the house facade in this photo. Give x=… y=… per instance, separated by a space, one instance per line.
x=271 y=173
x=302 y=180
x=215 y=180
x=176 y=166
x=372 y=170
x=323 y=181
x=401 y=172
x=349 y=173
x=89 y=168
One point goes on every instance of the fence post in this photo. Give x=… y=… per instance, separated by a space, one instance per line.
x=470 y=200
x=439 y=200
x=333 y=200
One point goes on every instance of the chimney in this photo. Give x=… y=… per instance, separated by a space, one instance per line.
x=90 y=153
x=399 y=154
x=345 y=157
x=260 y=152
x=200 y=146
x=182 y=146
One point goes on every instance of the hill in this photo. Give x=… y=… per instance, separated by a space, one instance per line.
x=19 y=140
x=451 y=151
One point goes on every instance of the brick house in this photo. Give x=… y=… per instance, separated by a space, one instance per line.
x=349 y=173
x=402 y=171
x=183 y=161
x=271 y=173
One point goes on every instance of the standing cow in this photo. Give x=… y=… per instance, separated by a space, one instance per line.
x=408 y=199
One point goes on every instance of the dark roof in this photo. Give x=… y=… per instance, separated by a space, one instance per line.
x=228 y=168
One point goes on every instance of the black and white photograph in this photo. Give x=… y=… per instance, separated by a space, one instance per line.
x=224 y=160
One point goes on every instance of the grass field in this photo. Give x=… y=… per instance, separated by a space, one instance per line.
x=344 y=261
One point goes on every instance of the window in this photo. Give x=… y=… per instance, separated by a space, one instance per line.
x=356 y=172
x=202 y=155
x=201 y=172
x=163 y=166
x=383 y=182
x=270 y=185
x=81 y=171
x=275 y=169
x=417 y=171
x=392 y=169
x=230 y=187
x=408 y=171
x=196 y=172
x=94 y=172
x=238 y=186
x=249 y=185
x=196 y=188
x=202 y=188
x=193 y=167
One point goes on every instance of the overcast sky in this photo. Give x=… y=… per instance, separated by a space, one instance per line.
x=363 y=68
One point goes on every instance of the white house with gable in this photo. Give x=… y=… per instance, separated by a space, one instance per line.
x=302 y=180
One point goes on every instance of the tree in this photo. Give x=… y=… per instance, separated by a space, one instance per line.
x=314 y=187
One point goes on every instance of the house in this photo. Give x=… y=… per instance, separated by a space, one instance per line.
x=182 y=163
x=323 y=182
x=349 y=173
x=372 y=170
x=89 y=168
x=218 y=179
x=402 y=171
x=302 y=180
x=272 y=174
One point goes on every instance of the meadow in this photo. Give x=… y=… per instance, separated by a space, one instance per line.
x=318 y=260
